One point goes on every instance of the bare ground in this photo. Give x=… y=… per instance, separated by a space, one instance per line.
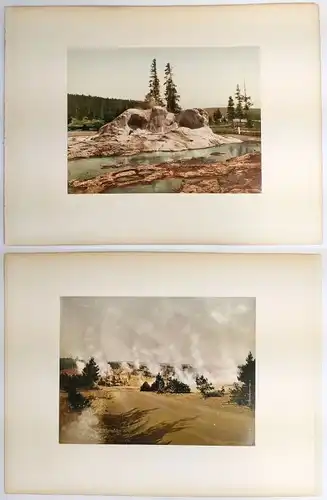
x=125 y=415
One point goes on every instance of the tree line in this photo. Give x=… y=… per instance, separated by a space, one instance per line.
x=166 y=381
x=238 y=108
x=242 y=393
x=91 y=112
x=241 y=109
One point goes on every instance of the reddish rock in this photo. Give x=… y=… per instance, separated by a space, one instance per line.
x=237 y=175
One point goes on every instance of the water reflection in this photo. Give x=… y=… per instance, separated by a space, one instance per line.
x=91 y=167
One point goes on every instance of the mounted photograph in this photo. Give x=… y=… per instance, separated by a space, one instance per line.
x=146 y=370
x=164 y=120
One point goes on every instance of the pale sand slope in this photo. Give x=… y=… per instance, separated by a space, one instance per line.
x=126 y=415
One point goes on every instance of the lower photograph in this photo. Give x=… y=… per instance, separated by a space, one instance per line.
x=157 y=370
x=162 y=374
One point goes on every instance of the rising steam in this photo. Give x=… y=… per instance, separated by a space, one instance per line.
x=213 y=335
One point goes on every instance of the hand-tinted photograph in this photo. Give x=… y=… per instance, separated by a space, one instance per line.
x=142 y=370
x=164 y=120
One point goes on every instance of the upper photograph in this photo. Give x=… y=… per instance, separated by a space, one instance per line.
x=164 y=120
x=213 y=132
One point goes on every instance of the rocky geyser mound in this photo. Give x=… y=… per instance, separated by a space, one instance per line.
x=147 y=130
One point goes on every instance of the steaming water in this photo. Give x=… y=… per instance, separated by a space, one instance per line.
x=91 y=167
x=85 y=429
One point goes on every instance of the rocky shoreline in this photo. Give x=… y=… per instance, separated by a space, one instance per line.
x=240 y=174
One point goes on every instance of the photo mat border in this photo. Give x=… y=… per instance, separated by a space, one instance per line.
x=234 y=232
x=310 y=249
x=292 y=276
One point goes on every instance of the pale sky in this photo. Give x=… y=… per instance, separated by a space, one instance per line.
x=205 y=77
x=212 y=334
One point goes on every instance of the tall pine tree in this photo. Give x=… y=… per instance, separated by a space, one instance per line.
x=154 y=85
x=230 y=109
x=171 y=95
x=247 y=104
x=239 y=103
x=243 y=392
x=91 y=373
x=217 y=116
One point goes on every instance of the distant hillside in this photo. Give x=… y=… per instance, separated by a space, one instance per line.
x=255 y=113
x=80 y=106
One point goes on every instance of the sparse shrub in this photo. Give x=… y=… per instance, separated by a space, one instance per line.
x=239 y=395
x=116 y=380
x=115 y=365
x=158 y=385
x=175 y=386
x=145 y=370
x=214 y=394
x=203 y=385
x=145 y=387
x=70 y=382
x=76 y=400
x=168 y=371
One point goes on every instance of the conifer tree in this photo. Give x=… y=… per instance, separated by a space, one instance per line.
x=217 y=115
x=171 y=95
x=239 y=103
x=91 y=372
x=243 y=392
x=230 y=109
x=247 y=104
x=154 y=85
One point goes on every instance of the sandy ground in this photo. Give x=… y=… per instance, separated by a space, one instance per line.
x=128 y=416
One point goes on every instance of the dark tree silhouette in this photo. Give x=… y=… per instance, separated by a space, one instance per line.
x=171 y=95
x=115 y=365
x=76 y=400
x=145 y=387
x=85 y=111
x=175 y=386
x=247 y=104
x=154 y=85
x=71 y=382
x=67 y=364
x=203 y=385
x=91 y=373
x=239 y=103
x=243 y=392
x=145 y=370
x=230 y=109
x=217 y=115
x=159 y=384
x=167 y=371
